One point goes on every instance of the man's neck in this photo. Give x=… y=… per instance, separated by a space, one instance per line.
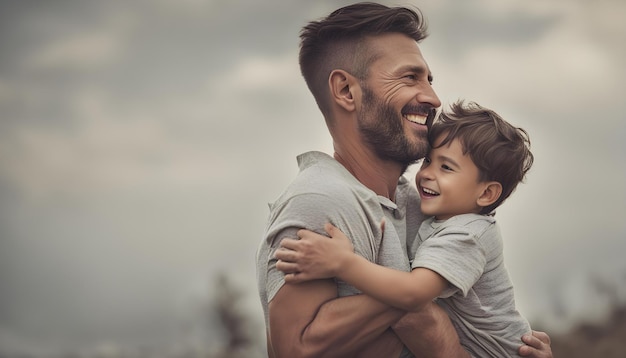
x=378 y=175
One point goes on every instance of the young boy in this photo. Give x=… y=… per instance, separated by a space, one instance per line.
x=475 y=162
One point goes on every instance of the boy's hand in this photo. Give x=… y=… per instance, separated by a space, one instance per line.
x=314 y=256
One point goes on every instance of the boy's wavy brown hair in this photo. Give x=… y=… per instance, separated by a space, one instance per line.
x=500 y=150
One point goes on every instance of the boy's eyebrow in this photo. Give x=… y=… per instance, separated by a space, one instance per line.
x=444 y=158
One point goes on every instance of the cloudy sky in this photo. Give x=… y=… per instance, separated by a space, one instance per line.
x=141 y=141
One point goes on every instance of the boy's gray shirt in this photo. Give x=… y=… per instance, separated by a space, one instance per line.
x=467 y=251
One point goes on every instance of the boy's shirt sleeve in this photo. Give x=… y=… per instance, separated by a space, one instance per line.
x=456 y=254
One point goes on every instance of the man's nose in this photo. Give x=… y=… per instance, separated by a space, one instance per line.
x=427 y=95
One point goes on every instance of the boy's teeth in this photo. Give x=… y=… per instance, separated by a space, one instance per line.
x=416 y=118
x=430 y=192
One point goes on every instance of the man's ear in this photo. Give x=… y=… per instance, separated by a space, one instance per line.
x=491 y=192
x=342 y=87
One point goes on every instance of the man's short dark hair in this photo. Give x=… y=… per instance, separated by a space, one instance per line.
x=338 y=41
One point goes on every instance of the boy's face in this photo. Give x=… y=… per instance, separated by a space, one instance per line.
x=448 y=182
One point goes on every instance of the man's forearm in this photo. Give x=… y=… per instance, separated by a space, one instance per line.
x=308 y=320
x=345 y=325
x=429 y=333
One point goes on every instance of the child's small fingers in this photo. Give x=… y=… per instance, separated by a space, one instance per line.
x=290 y=244
x=286 y=267
x=285 y=255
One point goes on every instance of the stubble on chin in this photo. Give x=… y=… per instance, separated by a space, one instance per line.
x=383 y=129
x=420 y=149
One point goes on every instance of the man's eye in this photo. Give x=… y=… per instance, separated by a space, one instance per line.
x=411 y=77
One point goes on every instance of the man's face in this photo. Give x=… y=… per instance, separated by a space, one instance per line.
x=397 y=99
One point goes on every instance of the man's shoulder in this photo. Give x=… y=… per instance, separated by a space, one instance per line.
x=322 y=190
x=322 y=176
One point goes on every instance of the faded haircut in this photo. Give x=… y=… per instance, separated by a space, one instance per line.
x=500 y=150
x=338 y=41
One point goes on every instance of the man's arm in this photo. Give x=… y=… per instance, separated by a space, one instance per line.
x=429 y=333
x=308 y=320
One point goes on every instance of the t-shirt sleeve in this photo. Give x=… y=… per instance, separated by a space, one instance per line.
x=456 y=255
x=311 y=211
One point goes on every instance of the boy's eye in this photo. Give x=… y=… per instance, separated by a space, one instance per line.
x=445 y=167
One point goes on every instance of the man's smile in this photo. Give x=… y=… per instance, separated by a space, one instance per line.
x=415 y=118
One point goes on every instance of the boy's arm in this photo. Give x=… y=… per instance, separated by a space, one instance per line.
x=315 y=256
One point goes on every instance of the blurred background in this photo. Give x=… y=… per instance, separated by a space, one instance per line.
x=140 y=142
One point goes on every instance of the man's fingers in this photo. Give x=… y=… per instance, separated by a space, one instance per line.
x=537 y=345
x=542 y=336
x=330 y=229
x=535 y=339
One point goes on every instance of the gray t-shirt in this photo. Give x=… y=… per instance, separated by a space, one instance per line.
x=324 y=191
x=467 y=251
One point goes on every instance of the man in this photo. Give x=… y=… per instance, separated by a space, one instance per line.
x=363 y=65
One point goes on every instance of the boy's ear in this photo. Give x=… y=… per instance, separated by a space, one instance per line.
x=342 y=87
x=490 y=194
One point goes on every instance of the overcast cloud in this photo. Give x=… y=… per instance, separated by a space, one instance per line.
x=141 y=141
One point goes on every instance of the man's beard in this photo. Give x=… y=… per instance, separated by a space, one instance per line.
x=381 y=127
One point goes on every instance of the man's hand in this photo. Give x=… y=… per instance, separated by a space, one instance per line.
x=537 y=345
